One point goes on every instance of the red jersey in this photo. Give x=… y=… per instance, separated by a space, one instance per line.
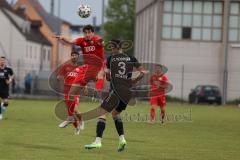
x=70 y=72
x=91 y=47
x=157 y=81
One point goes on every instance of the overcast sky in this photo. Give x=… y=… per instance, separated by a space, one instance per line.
x=69 y=9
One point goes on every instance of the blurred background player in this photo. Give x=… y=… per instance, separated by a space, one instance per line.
x=6 y=77
x=157 y=93
x=69 y=71
x=121 y=66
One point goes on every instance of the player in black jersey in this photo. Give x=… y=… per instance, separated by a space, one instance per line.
x=6 y=77
x=120 y=67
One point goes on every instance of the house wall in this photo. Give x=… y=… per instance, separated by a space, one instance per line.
x=47 y=32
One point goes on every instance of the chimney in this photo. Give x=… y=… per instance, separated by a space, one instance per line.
x=22 y=10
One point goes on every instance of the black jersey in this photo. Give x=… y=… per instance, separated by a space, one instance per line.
x=5 y=74
x=121 y=68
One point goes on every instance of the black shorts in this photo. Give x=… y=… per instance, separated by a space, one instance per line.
x=114 y=102
x=4 y=95
x=121 y=106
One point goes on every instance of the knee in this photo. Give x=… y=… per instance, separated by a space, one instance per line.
x=152 y=108
x=5 y=103
x=115 y=115
x=101 y=120
x=103 y=117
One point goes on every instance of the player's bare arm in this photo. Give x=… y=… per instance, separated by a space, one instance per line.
x=64 y=39
x=9 y=81
x=140 y=76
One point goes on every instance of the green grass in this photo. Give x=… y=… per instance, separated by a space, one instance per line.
x=29 y=132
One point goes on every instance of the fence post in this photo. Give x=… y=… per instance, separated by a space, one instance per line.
x=182 y=84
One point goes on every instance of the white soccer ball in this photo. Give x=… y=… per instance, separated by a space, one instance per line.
x=84 y=11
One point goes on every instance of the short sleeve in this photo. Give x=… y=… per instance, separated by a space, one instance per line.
x=135 y=62
x=164 y=78
x=10 y=71
x=78 y=41
x=151 y=80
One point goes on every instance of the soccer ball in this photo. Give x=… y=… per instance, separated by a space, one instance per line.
x=84 y=11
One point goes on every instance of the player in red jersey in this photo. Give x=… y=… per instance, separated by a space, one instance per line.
x=157 y=94
x=92 y=50
x=93 y=56
x=69 y=71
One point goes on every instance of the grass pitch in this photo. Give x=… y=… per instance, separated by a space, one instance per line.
x=30 y=131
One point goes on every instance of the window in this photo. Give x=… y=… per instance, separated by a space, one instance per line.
x=30 y=51
x=27 y=51
x=193 y=20
x=186 y=32
x=49 y=54
x=234 y=22
x=44 y=54
x=35 y=53
x=196 y=34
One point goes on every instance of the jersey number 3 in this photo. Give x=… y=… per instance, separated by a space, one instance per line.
x=122 y=69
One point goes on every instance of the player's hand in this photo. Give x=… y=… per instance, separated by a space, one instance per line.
x=59 y=37
x=56 y=36
x=59 y=78
x=8 y=81
x=140 y=76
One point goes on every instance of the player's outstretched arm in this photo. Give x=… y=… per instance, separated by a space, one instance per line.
x=64 y=39
x=140 y=76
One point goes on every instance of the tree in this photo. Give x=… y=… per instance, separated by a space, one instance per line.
x=121 y=17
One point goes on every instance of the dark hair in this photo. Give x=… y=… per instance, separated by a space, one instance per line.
x=88 y=28
x=74 y=52
x=3 y=57
x=116 y=43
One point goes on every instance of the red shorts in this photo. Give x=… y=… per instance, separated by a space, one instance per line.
x=89 y=74
x=160 y=101
x=99 y=84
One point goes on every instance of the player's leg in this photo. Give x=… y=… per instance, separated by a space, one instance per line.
x=70 y=102
x=119 y=124
x=106 y=107
x=153 y=102
x=99 y=87
x=78 y=122
x=3 y=106
x=162 y=104
x=1 y=117
x=70 y=118
x=100 y=127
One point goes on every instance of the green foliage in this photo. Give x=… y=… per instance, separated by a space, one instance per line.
x=121 y=19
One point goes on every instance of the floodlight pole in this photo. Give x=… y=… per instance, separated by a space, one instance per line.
x=225 y=49
x=103 y=10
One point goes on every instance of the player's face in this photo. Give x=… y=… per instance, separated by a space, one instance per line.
x=2 y=62
x=74 y=58
x=158 y=70
x=113 y=50
x=88 y=34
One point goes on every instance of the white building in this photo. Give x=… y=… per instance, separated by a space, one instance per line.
x=190 y=38
x=21 y=42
